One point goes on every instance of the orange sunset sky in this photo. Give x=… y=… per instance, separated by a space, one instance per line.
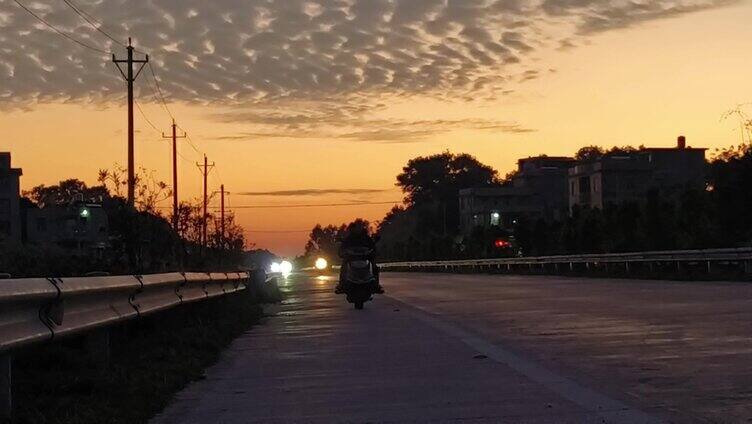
x=321 y=102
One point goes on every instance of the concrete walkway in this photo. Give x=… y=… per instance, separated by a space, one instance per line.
x=319 y=360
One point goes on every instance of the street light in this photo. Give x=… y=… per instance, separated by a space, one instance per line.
x=84 y=213
x=321 y=264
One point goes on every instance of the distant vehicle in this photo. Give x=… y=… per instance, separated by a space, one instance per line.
x=358 y=277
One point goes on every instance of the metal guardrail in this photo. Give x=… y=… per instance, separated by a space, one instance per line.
x=707 y=256
x=38 y=309
x=34 y=310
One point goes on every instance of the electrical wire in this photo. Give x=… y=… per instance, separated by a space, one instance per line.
x=88 y=18
x=97 y=25
x=69 y=37
x=190 y=141
x=320 y=205
x=151 y=124
x=159 y=90
x=154 y=82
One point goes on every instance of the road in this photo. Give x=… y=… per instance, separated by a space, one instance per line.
x=482 y=348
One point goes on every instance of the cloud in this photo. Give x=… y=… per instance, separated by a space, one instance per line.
x=312 y=192
x=336 y=125
x=339 y=53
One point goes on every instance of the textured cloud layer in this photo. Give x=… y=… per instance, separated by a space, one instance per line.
x=263 y=52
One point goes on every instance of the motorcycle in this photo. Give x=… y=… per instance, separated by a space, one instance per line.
x=358 y=276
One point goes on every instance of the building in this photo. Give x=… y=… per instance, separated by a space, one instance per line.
x=79 y=227
x=10 y=196
x=628 y=176
x=537 y=190
x=546 y=177
x=495 y=207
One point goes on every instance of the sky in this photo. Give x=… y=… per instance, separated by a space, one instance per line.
x=322 y=102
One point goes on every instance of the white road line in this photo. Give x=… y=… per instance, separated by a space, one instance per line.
x=610 y=410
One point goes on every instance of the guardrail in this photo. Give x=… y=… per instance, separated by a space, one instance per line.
x=677 y=258
x=34 y=310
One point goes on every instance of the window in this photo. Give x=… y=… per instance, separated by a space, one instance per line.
x=4 y=207
x=495 y=218
x=584 y=185
x=4 y=228
x=572 y=188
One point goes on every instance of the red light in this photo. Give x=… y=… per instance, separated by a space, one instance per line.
x=502 y=244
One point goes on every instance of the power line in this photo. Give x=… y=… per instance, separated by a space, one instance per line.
x=88 y=18
x=151 y=124
x=69 y=37
x=320 y=205
x=190 y=141
x=159 y=90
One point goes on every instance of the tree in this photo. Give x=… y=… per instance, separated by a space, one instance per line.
x=190 y=221
x=589 y=153
x=441 y=176
x=729 y=179
x=65 y=192
x=149 y=190
x=322 y=241
x=623 y=150
x=432 y=183
x=233 y=238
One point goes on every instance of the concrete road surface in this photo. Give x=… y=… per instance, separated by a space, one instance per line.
x=481 y=348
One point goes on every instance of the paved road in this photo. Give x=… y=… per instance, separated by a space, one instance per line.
x=461 y=348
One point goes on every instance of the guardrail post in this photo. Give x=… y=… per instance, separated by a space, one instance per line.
x=6 y=393
x=98 y=347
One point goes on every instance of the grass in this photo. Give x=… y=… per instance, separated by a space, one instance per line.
x=151 y=359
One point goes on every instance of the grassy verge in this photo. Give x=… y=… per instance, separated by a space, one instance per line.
x=151 y=359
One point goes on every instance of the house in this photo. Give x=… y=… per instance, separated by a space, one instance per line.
x=10 y=195
x=80 y=227
x=546 y=177
x=498 y=207
x=537 y=190
x=627 y=176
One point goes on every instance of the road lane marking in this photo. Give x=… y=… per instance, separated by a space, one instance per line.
x=610 y=410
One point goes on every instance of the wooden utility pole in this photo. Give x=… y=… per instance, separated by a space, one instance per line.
x=175 y=138
x=130 y=78
x=222 y=217
x=205 y=168
x=222 y=214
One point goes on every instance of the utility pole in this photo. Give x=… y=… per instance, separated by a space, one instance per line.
x=222 y=213
x=130 y=78
x=222 y=217
x=175 y=138
x=205 y=168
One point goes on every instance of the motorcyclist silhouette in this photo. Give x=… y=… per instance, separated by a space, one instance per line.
x=357 y=236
